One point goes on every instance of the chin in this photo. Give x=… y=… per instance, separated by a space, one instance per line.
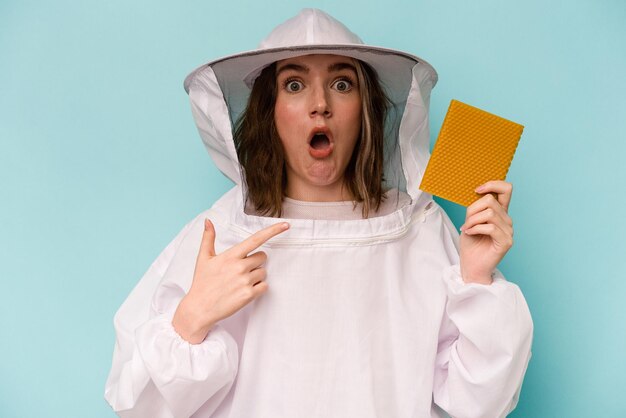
x=323 y=176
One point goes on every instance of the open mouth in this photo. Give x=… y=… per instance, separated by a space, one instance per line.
x=320 y=145
x=320 y=141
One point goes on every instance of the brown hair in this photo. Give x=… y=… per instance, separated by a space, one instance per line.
x=262 y=156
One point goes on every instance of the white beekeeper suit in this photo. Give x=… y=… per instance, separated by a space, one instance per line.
x=363 y=318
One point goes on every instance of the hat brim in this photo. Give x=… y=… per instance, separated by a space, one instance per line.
x=236 y=73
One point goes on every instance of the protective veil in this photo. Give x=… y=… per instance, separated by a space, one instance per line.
x=363 y=318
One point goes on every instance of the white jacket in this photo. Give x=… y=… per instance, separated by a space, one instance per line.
x=365 y=318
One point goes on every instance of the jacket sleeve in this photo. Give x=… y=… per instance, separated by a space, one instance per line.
x=155 y=373
x=484 y=343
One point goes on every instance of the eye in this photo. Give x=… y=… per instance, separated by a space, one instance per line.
x=293 y=86
x=342 y=85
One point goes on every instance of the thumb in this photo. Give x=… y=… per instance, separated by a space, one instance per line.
x=207 y=245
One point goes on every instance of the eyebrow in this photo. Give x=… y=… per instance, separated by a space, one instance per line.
x=341 y=66
x=338 y=66
x=294 y=67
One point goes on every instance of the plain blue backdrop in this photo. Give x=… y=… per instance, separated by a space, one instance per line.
x=101 y=165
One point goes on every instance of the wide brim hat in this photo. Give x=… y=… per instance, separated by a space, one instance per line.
x=313 y=31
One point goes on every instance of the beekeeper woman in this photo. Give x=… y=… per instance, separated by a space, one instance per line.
x=356 y=303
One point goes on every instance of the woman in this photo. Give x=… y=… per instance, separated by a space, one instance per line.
x=360 y=305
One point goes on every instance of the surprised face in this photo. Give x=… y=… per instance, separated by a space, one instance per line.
x=318 y=119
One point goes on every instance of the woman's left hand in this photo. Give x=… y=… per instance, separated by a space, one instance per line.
x=487 y=233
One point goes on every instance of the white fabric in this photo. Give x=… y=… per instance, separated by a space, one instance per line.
x=372 y=324
x=337 y=211
x=363 y=318
x=311 y=32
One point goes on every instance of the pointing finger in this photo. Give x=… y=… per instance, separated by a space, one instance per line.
x=257 y=239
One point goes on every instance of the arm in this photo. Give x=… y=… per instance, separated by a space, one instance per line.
x=176 y=359
x=486 y=331
x=484 y=347
x=155 y=372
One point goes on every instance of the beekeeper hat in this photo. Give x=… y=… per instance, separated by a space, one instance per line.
x=313 y=31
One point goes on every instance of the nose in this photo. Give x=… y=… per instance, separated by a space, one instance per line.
x=320 y=105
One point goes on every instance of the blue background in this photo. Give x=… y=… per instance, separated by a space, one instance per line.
x=101 y=165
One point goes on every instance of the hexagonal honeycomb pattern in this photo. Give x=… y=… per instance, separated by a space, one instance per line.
x=473 y=147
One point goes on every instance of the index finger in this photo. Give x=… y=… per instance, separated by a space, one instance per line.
x=257 y=239
x=501 y=188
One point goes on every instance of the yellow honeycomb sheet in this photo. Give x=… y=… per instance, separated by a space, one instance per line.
x=473 y=147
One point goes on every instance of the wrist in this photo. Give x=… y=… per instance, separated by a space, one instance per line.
x=188 y=323
x=478 y=278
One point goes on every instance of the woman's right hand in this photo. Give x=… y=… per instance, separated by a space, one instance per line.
x=222 y=284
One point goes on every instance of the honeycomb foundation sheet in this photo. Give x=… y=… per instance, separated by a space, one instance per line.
x=473 y=147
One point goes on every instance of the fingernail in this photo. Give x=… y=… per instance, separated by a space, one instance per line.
x=480 y=188
x=206 y=224
x=285 y=225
